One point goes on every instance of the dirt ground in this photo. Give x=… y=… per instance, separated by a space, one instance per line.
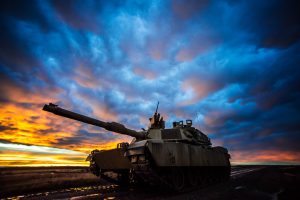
x=247 y=182
x=23 y=180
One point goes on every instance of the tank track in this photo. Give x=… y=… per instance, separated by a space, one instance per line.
x=119 y=179
x=146 y=172
x=147 y=175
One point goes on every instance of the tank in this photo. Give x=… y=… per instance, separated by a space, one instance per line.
x=177 y=157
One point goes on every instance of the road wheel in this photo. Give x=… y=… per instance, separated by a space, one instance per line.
x=202 y=180
x=193 y=176
x=123 y=179
x=177 y=179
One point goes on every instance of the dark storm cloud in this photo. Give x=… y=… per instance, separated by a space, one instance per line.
x=274 y=24
x=232 y=66
x=26 y=11
x=16 y=19
x=78 y=14
x=186 y=10
x=13 y=50
x=4 y=128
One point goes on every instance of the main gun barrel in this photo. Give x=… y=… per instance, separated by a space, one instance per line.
x=110 y=126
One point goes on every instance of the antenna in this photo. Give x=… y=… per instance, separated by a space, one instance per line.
x=157 y=107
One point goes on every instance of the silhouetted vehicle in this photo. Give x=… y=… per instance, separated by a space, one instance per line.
x=174 y=157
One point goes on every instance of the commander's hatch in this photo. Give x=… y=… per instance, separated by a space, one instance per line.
x=156 y=121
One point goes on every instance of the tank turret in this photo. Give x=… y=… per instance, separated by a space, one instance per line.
x=110 y=126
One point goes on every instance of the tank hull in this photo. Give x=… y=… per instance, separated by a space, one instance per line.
x=169 y=163
x=113 y=159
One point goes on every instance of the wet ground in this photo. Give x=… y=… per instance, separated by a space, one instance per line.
x=247 y=182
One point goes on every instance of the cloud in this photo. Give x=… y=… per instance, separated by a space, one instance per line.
x=231 y=66
x=147 y=74
x=79 y=15
x=271 y=27
x=14 y=158
x=185 y=10
x=199 y=87
x=37 y=149
x=265 y=157
x=13 y=154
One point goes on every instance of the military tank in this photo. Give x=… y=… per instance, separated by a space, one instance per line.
x=177 y=157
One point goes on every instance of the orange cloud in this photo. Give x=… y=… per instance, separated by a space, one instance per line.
x=87 y=147
x=30 y=125
x=100 y=111
x=198 y=43
x=150 y=75
x=199 y=88
x=85 y=77
x=185 y=10
x=14 y=93
x=157 y=47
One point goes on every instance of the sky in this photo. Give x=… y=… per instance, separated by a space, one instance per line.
x=230 y=66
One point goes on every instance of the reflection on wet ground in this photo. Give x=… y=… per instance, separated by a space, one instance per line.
x=88 y=192
x=254 y=182
x=109 y=191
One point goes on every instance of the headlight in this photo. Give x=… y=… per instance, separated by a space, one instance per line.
x=142 y=158
x=133 y=159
